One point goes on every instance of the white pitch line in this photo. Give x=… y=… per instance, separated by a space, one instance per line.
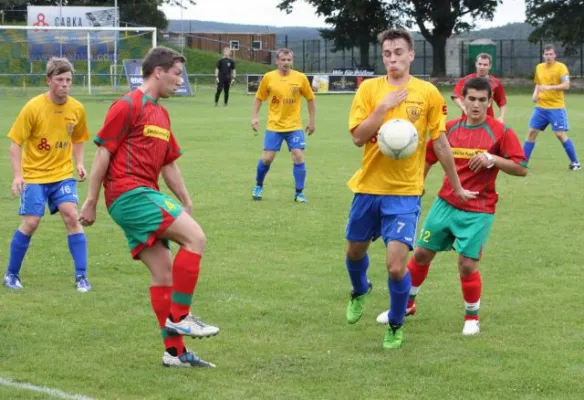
x=42 y=389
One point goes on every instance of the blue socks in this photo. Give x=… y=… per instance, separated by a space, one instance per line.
x=18 y=247
x=358 y=274
x=570 y=151
x=528 y=149
x=78 y=248
x=399 y=292
x=262 y=170
x=299 y=172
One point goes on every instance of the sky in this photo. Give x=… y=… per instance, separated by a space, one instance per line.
x=264 y=12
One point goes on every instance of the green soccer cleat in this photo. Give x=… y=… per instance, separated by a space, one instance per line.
x=356 y=304
x=300 y=198
x=394 y=337
x=257 y=192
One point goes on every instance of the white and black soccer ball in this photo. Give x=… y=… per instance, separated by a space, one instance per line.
x=397 y=139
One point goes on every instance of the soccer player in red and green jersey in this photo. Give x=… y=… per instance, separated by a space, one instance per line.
x=482 y=146
x=136 y=145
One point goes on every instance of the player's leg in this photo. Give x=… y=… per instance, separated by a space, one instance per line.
x=33 y=200
x=363 y=226
x=537 y=124
x=63 y=198
x=218 y=92
x=158 y=259
x=560 y=126
x=226 y=87
x=296 y=145
x=272 y=144
x=471 y=231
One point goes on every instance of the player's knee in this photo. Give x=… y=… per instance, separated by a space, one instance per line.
x=423 y=256
x=297 y=157
x=29 y=224
x=268 y=157
x=71 y=218
x=196 y=242
x=396 y=269
x=532 y=134
x=467 y=266
x=562 y=136
x=162 y=276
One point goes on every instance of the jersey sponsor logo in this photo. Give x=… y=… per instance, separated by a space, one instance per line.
x=414 y=113
x=44 y=145
x=275 y=100
x=445 y=109
x=156 y=132
x=459 y=152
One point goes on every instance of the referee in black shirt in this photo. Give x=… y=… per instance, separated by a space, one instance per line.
x=224 y=75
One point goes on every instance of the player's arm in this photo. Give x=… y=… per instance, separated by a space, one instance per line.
x=173 y=179
x=311 y=104
x=514 y=163
x=233 y=72
x=443 y=152
x=101 y=162
x=16 y=163
x=500 y=98
x=261 y=95
x=217 y=75
x=456 y=95
x=79 y=137
x=19 y=135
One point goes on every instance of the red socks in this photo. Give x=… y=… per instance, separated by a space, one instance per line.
x=185 y=274
x=471 y=292
x=160 y=300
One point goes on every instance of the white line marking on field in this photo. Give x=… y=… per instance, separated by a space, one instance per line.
x=42 y=389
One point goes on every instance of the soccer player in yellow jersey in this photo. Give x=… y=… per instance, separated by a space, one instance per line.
x=49 y=130
x=284 y=89
x=387 y=192
x=552 y=78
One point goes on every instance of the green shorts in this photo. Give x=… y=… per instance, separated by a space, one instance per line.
x=447 y=228
x=143 y=214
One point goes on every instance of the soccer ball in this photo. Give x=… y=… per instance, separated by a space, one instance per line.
x=397 y=139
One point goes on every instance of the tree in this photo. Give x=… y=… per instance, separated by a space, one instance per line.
x=135 y=12
x=561 y=21
x=355 y=23
x=437 y=19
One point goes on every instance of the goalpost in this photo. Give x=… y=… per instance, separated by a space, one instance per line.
x=94 y=52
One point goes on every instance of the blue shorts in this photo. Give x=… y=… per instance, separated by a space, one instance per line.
x=294 y=140
x=36 y=196
x=390 y=217
x=556 y=117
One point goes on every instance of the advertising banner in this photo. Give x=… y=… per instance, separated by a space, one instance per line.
x=133 y=70
x=321 y=83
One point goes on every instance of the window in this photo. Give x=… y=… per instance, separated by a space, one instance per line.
x=256 y=45
x=234 y=44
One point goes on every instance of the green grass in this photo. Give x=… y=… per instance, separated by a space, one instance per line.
x=273 y=278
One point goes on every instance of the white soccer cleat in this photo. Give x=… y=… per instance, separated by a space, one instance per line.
x=190 y=326
x=186 y=360
x=471 y=327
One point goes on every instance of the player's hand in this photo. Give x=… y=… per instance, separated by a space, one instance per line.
x=81 y=172
x=88 y=213
x=216 y=80
x=478 y=162
x=310 y=128
x=188 y=208
x=395 y=98
x=466 y=195
x=232 y=81
x=255 y=124
x=535 y=97
x=17 y=186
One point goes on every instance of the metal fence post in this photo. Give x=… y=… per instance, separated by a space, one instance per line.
x=303 y=55
x=325 y=56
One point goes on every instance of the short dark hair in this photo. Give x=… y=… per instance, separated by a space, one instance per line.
x=58 y=66
x=162 y=57
x=477 y=83
x=485 y=56
x=395 y=34
x=549 y=47
x=284 y=50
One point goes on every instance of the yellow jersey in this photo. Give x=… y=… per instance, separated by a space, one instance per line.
x=284 y=94
x=46 y=132
x=425 y=108
x=554 y=74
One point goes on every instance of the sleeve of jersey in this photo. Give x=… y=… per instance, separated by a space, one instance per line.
x=430 y=155
x=307 y=89
x=437 y=112
x=564 y=74
x=116 y=125
x=499 y=95
x=457 y=92
x=361 y=107
x=22 y=127
x=173 y=151
x=263 y=92
x=81 y=134
x=511 y=147
x=536 y=77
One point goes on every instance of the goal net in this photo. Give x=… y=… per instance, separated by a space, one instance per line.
x=97 y=54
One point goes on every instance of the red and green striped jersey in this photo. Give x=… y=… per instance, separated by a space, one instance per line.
x=467 y=141
x=137 y=133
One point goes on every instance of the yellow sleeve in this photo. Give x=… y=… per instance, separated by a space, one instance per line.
x=361 y=108
x=564 y=73
x=307 y=89
x=263 y=90
x=536 y=77
x=436 y=114
x=80 y=134
x=22 y=128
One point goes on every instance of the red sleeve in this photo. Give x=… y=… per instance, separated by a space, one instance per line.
x=116 y=125
x=430 y=155
x=499 y=95
x=173 y=151
x=457 y=92
x=510 y=147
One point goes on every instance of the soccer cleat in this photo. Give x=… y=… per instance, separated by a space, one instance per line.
x=356 y=304
x=258 y=192
x=394 y=337
x=82 y=284
x=187 y=359
x=190 y=326
x=575 y=167
x=471 y=327
x=12 y=281
x=300 y=198
x=383 y=318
